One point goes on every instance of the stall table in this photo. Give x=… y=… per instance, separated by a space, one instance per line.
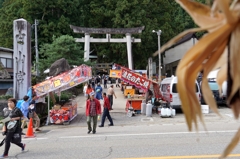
x=63 y=114
x=134 y=102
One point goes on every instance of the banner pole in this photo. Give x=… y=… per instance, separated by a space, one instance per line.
x=48 y=117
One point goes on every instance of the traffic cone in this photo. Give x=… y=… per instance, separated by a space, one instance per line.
x=30 y=130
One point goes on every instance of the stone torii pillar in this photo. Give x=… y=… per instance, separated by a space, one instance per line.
x=86 y=46
x=129 y=50
x=108 y=31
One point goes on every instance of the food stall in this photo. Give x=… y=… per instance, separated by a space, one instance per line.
x=141 y=83
x=135 y=79
x=129 y=90
x=63 y=114
x=134 y=102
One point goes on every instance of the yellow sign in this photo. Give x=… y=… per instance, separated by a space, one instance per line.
x=115 y=73
x=57 y=83
x=72 y=83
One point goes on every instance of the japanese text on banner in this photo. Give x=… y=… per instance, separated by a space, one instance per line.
x=135 y=79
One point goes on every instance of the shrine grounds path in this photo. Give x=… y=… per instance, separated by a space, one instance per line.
x=120 y=117
x=131 y=137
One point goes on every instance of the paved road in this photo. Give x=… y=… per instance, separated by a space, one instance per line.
x=142 y=141
x=132 y=137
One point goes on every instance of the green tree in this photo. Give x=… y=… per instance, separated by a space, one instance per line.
x=127 y=14
x=61 y=47
x=56 y=16
x=1 y=2
x=182 y=20
x=10 y=10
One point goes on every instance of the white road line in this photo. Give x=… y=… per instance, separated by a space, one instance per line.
x=230 y=115
x=50 y=131
x=122 y=135
x=26 y=139
x=145 y=134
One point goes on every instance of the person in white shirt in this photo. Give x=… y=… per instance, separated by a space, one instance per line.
x=85 y=89
x=111 y=93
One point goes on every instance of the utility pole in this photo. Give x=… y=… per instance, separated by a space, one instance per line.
x=36 y=46
x=159 y=54
x=150 y=68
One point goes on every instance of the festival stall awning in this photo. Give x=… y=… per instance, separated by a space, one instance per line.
x=64 y=81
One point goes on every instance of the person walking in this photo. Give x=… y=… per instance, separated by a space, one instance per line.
x=85 y=89
x=88 y=91
x=93 y=109
x=102 y=78
x=117 y=83
x=32 y=110
x=98 y=91
x=105 y=81
x=110 y=93
x=93 y=82
x=148 y=95
x=106 y=108
x=24 y=109
x=15 y=115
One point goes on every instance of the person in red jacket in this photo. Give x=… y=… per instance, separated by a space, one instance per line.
x=106 y=108
x=93 y=109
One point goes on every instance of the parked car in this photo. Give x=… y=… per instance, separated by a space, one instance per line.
x=220 y=98
x=170 y=94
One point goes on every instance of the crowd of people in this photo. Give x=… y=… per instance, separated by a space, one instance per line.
x=19 y=116
x=93 y=92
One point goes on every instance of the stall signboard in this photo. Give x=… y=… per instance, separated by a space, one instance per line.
x=115 y=73
x=64 y=81
x=135 y=79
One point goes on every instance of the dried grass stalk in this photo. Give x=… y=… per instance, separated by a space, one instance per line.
x=209 y=53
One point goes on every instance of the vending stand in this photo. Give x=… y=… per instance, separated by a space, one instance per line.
x=63 y=114
x=140 y=82
x=129 y=90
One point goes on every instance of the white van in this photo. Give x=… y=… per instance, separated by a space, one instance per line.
x=212 y=76
x=170 y=94
x=220 y=97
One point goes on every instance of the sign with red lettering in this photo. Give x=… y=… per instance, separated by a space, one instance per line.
x=64 y=81
x=135 y=79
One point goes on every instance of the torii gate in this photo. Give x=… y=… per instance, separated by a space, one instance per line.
x=108 y=31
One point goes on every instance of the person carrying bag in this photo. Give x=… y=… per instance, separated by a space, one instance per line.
x=12 y=129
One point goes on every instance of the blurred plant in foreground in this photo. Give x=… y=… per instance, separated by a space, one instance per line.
x=219 y=48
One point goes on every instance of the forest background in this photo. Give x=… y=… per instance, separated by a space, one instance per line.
x=56 y=39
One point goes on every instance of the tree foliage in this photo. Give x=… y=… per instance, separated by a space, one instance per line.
x=128 y=14
x=61 y=47
x=56 y=16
